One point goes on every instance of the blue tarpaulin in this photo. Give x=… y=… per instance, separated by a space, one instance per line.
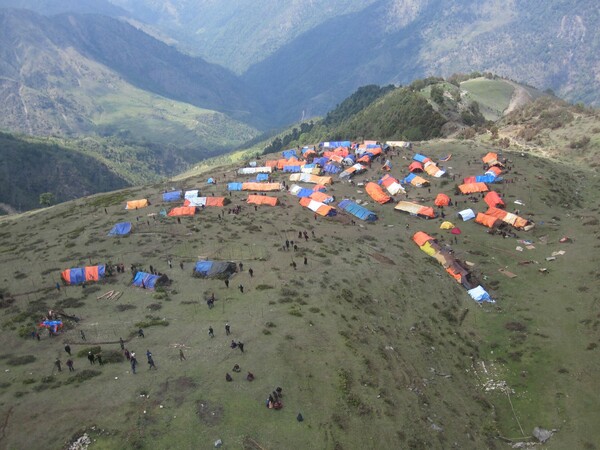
x=234 y=186
x=408 y=179
x=262 y=177
x=120 y=229
x=332 y=168
x=293 y=169
x=335 y=144
x=419 y=157
x=322 y=160
x=287 y=154
x=172 y=196
x=147 y=280
x=304 y=192
x=356 y=210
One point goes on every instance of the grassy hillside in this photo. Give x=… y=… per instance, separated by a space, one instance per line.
x=371 y=340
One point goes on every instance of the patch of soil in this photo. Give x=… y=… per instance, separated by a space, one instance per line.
x=382 y=259
x=177 y=389
x=209 y=414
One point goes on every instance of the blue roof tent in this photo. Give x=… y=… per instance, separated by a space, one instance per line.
x=147 y=280
x=172 y=196
x=419 y=157
x=293 y=169
x=321 y=160
x=77 y=275
x=356 y=210
x=120 y=229
x=262 y=177
x=408 y=179
x=304 y=192
x=335 y=144
x=211 y=181
x=287 y=154
x=332 y=168
x=234 y=186
x=485 y=179
x=218 y=269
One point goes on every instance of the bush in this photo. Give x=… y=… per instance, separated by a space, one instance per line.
x=20 y=360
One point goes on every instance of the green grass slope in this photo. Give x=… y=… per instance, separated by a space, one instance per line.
x=371 y=340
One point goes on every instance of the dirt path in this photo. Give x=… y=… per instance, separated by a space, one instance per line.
x=519 y=98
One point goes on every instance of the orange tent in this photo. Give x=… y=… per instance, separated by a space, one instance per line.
x=271 y=163
x=318 y=207
x=261 y=186
x=262 y=200
x=485 y=220
x=182 y=211
x=442 y=200
x=135 y=204
x=493 y=199
x=471 y=188
x=321 y=197
x=215 y=201
x=420 y=238
x=496 y=170
x=415 y=166
x=376 y=193
x=491 y=159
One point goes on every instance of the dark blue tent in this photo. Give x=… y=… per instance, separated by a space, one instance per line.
x=287 y=154
x=172 y=196
x=304 y=192
x=148 y=281
x=293 y=169
x=220 y=269
x=356 y=210
x=120 y=229
x=322 y=160
x=332 y=168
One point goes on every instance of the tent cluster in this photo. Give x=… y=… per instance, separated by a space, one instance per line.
x=453 y=267
x=392 y=185
x=427 y=165
x=79 y=275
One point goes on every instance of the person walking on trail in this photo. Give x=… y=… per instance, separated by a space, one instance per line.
x=241 y=287
x=91 y=358
x=133 y=361
x=241 y=266
x=181 y=265
x=150 y=360
x=170 y=263
x=226 y=282
x=70 y=365
x=251 y=272
x=181 y=355
x=227 y=329
x=57 y=286
x=122 y=343
x=57 y=363
x=82 y=335
x=294 y=264
x=305 y=260
x=141 y=333
x=211 y=332
x=68 y=349
x=241 y=346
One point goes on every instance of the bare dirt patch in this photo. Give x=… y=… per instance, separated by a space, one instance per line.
x=208 y=413
x=382 y=259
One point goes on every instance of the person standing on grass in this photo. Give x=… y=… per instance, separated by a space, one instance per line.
x=133 y=361
x=68 y=349
x=241 y=346
x=227 y=329
x=251 y=272
x=211 y=332
x=122 y=343
x=57 y=363
x=91 y=358
x=70 y=365
x=181 y=355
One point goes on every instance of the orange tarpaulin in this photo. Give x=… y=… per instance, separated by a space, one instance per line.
x=471 y=188
x=91 y=273
x=496 y=170
x=182 y=211
x=321 y=197
x=271 y=163
x=263 y=200
x=261 y=186
x=442 y=200
x=135 y=204
x=415 y=166
x=215 y=201
x=420 y=238
x=493 y=199
x=318 y=207
x=491 y=159
x=488 y=221
x=376 y=193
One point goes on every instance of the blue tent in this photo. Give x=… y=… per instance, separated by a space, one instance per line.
x=262 y=177
x=485 y=179
x=211 y=181
x=120 y=229
x=287 y=154
x=408 y=179
x=172 y=196
x=419 y=157
x=147 y=280
x=293 y=169
x=220 y=269
x=336 y=144
x=234 y=186
x=357 y=210
x=373 y=146
x=304 y=192
x=322 y=160
x=332 y=168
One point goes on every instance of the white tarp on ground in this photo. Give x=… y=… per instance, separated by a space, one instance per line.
x=197 y=201
x=253 y=170
x=479 y=294
x=191 y=194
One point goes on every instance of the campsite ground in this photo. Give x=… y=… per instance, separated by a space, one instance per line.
x=371 y=341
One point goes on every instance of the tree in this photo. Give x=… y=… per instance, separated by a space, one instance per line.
x=46 y=199
x=437 y=94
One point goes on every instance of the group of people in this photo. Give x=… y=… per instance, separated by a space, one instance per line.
x=274 y=399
